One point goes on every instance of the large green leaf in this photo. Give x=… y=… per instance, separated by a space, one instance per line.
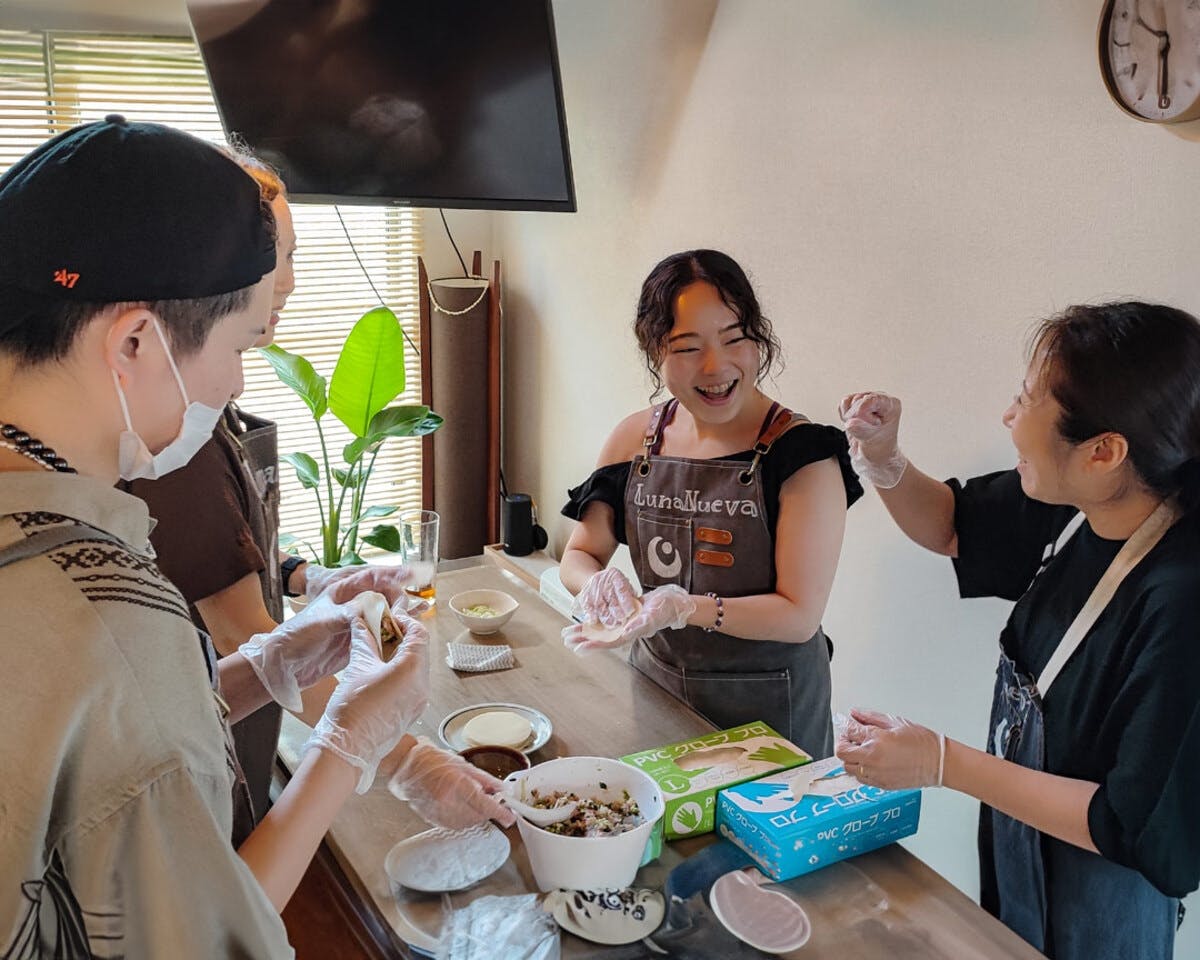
x=385 y=537
x=402 y=421
x=377 y=511
x=370 y=370
x=307 y=470
x=345 y=478
x=298 y=373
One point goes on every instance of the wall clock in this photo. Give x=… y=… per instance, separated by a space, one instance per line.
x=1150 y=58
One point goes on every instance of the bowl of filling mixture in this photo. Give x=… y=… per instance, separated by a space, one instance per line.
x=483 y=611
x=600 y=846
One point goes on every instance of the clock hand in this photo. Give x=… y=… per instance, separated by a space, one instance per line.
x=1164 y=46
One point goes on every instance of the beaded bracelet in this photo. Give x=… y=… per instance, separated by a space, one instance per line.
x=720 y=613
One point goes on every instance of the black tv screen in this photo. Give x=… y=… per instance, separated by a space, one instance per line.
x=431 y=103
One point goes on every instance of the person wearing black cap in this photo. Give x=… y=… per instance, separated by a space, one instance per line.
x=215 y=539
x=136 y=264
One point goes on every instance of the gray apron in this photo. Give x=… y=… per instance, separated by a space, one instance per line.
x=1067 y=902
x=702 y=524
x=256 y=737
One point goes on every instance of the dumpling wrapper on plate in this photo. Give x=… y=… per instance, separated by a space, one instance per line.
x=498 y=728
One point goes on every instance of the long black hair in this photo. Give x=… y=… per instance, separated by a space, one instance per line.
x=1130 y=368
x=656 y=306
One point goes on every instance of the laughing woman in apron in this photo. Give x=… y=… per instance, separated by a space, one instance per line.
x=1088 y=834
x=733 y=508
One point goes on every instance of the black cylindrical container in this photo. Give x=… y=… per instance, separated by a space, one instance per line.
x=516 y=524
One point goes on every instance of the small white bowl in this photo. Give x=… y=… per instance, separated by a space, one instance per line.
x=504 y=605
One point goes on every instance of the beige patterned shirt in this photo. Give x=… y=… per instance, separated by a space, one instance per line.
x=115 y=796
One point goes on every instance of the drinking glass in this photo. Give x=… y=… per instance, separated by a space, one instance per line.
x=419 y=547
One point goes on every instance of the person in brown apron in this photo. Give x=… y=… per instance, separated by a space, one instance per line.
x=733 y=508
x=1087 y=835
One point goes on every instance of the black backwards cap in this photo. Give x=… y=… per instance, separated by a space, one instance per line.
x=115 y=211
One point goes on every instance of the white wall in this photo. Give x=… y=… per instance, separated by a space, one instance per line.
x=911 y=185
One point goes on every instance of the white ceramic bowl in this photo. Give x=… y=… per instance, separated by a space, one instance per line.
x=504 y=605
x=588 y=863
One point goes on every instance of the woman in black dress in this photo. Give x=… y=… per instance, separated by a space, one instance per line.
x=1088 y=835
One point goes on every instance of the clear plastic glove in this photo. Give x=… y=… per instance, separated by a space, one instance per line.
x=663 y=608
x=872 y=426
x=300 y=651
x=344 y=583
x=375 y=703
x=581 y=638
x=445 y=790
x=607 y=598
x=890 y=752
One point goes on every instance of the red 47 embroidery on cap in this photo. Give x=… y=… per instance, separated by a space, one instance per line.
x=65 y=278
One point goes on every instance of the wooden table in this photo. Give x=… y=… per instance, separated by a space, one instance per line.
x=885 y=904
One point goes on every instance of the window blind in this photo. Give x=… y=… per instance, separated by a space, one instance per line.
x=51 y=81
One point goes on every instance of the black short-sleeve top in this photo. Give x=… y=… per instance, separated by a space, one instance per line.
x=203 y=537
x=801 y=445
x=1125 y=711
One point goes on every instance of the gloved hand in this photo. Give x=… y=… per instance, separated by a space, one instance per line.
x=375 y=703
x=890 y=752
x=607 y=598
x=666 y=607
x=300 y=651
x=872 y=426
x=344 y=583
x=445 y=790
x=583 y=638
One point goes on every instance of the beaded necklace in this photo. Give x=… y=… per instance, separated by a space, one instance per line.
x=15 y=439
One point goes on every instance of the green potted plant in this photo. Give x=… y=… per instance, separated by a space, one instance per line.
x=368 y=376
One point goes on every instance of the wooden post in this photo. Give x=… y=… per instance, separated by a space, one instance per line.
x=427 y=492
x=495 y=343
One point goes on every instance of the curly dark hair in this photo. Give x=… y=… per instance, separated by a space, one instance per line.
x=656 y=307
x=1131 y=368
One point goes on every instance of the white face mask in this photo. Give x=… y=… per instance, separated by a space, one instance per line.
x=135 y=461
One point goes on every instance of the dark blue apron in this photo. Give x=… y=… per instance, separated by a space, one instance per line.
x=1067 y=902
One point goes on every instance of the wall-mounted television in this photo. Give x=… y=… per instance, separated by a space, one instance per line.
x=431 y=103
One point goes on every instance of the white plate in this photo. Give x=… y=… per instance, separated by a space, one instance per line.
x=439 y=860
x=607 y=916
x=451 y=728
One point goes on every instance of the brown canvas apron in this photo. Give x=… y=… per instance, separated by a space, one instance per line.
x=256 y=737
x=702 y=524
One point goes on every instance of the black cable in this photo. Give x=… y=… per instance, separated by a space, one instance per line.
x=366 y=273
x=452 y=243
x=503 y=485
